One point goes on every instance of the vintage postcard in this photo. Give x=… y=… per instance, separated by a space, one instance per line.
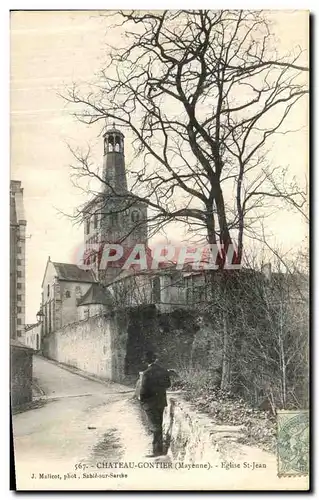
x=159 y=264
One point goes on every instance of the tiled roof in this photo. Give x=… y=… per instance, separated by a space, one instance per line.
x=72 y=272
x=96 y=294
x=30 y=326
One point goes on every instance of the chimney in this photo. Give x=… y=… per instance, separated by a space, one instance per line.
x=266 y=270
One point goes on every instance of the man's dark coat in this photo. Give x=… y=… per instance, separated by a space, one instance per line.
x=155 y=381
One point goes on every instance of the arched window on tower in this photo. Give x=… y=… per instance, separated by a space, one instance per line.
x=114 y=219
x=110 y=144
x=118 y=144
x=135 y=217
x=113 y=141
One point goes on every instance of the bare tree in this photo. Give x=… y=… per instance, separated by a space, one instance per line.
x=202 y=93
x=273 y=359
x=131 y=290
x=256 y=334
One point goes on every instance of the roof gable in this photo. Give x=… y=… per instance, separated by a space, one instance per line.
x=72 y=272
x=46 y=269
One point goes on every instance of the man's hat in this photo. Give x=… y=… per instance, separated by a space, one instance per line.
x=150 y=356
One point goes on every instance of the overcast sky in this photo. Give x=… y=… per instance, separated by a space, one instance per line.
x=50 y=50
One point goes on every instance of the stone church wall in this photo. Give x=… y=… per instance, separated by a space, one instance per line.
x=87 y=311
x=113 y=346
x=95 y=346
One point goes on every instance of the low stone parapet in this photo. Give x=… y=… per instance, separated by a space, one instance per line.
x=187 y=433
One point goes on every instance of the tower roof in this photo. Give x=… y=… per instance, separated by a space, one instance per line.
x=96 y=294
x=113 y=130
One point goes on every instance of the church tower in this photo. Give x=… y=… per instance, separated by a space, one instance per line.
x=114 y=216
x=114 y=173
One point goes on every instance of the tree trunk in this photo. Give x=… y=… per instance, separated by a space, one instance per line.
x=225 y=238
x=226 y=361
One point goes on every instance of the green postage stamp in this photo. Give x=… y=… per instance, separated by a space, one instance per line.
x=293 y=442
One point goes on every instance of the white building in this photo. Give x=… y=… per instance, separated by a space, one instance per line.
x=63 y=286
x=32 y=336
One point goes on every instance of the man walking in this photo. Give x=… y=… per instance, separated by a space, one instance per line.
x=155 y=381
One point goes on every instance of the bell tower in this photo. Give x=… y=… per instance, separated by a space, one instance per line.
x=114 y=174
x=114 y=215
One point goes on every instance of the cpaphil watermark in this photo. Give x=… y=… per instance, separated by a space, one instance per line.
x=140 y=257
